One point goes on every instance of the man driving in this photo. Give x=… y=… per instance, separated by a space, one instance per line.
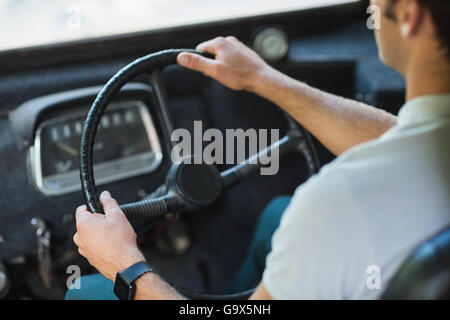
x=387 y=191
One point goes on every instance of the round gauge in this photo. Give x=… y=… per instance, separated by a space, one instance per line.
x=272 y=44
x=135 y=150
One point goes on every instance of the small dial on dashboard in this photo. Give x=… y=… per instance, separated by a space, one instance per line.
x=272 y=44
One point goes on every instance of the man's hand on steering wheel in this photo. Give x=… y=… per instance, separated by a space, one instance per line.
x=108 y=240
x=235 y=65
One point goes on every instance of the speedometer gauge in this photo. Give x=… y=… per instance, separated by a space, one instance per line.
x=126 y=145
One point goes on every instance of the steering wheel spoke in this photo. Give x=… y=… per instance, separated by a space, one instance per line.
x=252 y=164
x=161 y=102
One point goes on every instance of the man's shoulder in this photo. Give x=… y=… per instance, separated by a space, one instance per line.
x=366 y=208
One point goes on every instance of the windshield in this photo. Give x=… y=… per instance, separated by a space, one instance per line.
x=25 y=23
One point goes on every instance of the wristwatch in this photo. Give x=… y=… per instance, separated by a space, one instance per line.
x=124 y=286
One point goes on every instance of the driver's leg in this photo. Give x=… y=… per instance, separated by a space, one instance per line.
x=93 y=287
x=250 y=273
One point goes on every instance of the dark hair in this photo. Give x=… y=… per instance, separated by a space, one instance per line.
x=440 y=14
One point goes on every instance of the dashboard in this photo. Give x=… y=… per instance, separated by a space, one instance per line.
x=50 y=128
x=126 y=145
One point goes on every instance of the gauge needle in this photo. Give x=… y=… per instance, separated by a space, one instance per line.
x=67 y=148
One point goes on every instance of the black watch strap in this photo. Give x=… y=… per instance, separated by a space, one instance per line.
x=124 y=286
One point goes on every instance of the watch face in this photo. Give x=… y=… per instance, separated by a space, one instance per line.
x=124 y=287
x=122 y=290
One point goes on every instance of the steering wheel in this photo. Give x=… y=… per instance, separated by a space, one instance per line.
x=188 y=186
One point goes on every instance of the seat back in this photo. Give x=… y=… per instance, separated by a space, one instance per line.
x=425 y=274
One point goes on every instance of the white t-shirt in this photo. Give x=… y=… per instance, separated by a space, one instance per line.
x=348 y=229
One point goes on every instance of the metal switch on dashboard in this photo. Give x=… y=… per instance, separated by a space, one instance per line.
x=43 y=236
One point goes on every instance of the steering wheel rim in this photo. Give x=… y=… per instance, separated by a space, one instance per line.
x=144 y=64
x=169 y=198
x=297 y=139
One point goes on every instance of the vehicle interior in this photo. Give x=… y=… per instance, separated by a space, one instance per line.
x=47 y=88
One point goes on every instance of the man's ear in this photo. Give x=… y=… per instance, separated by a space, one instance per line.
x=411 y=16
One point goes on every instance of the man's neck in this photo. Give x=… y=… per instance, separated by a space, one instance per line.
x=425 y=77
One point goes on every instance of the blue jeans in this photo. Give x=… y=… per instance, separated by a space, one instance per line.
x=97 y=287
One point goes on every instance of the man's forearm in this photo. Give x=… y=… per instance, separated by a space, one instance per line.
x=151 y=287
x=337 y=122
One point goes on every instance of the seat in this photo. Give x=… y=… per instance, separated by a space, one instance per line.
x=425 y=275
